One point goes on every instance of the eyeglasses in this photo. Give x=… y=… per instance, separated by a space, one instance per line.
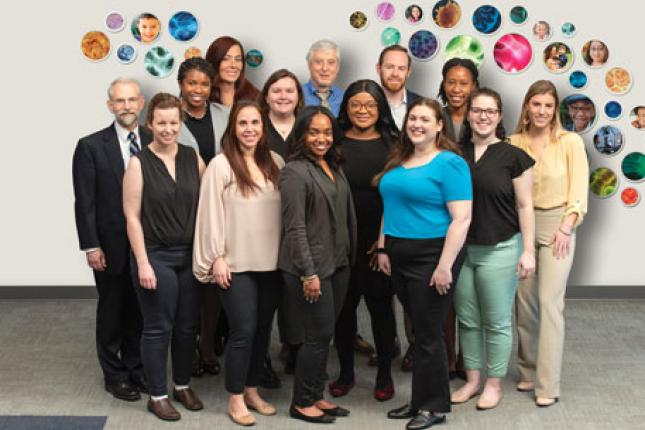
x=122 y=101
x=488 y=112
x=369 y=106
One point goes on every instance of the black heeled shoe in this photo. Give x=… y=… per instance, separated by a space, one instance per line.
x=402 y=413
x=319 y=419
x=336 y=412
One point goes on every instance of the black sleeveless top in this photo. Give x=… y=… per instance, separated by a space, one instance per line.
x=169 y=207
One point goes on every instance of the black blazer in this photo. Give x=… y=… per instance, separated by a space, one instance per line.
x=411 y=96
x=97 y=170
x=308 y=222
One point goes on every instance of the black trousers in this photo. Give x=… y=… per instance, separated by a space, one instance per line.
x=170 y=316
x=317 y=321
x=118 y=327
x=413 y=261
x=378 y=293
x=250 y=304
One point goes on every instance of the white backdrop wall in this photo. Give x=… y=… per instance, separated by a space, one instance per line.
x=53 y=96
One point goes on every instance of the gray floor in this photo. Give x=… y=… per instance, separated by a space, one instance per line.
x=48 y=367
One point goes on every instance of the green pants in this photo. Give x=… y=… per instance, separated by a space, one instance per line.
x=484 y=303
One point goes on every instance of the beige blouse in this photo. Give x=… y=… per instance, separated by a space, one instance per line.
x=561 y=175
x=245 y=231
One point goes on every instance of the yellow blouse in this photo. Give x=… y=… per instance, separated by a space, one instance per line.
x=561 y=176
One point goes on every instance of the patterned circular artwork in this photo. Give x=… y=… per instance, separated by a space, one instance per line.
x=446 y=13
x=558 y=57
x=512 y=53
x=618 y=80
x=423 y=45
x=385 y=11
x=183 y=26
x=578 y=113
x=578 y=79
x=465 y=47
x=390 y=36
x=603 y=182
x=633 y=166
x=358 y=20
x=159 y=61
x=568 y=29
x=608 y=140
x=146 y=28
x=126 y=53
x=414 y=14
x=613 y=109
x=191 y=52
x=487 y=19
x=595 y=53
x=519 y=15
x=254 y=58
x=95 y=45
x=630 y=197
x=637 y=118
x=114 y=22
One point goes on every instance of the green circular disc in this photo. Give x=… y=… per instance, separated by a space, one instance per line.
x=390 y=36
x=603 y=182
x=465 y=47
x=633 y=166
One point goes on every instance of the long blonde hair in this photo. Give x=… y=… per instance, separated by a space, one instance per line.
x=539 y=88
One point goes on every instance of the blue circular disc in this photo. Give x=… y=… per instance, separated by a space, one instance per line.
x=423 y=45
x=183 y=26
x=126 y=53
x=254 y=58
x=568 y=29
x=613 y=109
x=487 y=19
x=578 y=79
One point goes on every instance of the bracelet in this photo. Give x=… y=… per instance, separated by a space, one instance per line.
x=381 y=251
x=564 y=232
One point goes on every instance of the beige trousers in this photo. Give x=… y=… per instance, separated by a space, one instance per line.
x=539 y=306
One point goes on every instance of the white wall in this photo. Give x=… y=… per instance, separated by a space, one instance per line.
x=53 y=96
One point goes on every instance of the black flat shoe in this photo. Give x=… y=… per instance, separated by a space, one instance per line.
x=123 y=391
x=424 y=420
x=336 y=412
x=320 y=419
x=402 y=413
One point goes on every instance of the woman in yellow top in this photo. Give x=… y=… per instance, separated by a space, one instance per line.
x=560 y=187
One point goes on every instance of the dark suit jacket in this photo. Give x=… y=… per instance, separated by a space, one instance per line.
x=309 y=222
x=411 y=96
x=97 y=170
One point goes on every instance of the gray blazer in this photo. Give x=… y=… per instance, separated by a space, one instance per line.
x=308 y=222
x=219 y=116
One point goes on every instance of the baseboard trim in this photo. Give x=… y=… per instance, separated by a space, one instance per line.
x=595 y=292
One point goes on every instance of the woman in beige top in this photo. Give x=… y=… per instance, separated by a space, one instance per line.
x=560 y=190
x=237 y=238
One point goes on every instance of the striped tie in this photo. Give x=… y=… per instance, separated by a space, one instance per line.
x=134 y=146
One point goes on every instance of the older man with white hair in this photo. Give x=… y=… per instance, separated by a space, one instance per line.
x=323 y=60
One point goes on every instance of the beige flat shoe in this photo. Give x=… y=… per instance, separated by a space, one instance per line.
x=486 y=404
x=242 y=420
x=458 y=398
x=545 y=402
x=266 y=409
x=525 y=386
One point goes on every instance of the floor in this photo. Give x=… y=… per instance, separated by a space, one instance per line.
x=48 y=367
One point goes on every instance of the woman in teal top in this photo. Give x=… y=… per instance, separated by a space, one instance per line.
x=427 y=193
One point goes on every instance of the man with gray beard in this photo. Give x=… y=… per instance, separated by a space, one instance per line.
x=98 y=166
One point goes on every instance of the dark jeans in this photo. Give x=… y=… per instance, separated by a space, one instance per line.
x=118 y=327
x=317 y=320
x=378 y=292
x=170 y=316
x=249 y=303
x=413 y=261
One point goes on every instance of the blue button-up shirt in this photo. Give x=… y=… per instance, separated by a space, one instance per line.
x=334 y=99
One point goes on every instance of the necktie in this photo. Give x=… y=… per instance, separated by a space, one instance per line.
x=134 y=146
x=324 y=98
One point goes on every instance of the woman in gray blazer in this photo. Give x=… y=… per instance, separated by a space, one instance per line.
x=316 y=252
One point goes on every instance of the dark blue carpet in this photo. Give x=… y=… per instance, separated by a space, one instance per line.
x=29 y=422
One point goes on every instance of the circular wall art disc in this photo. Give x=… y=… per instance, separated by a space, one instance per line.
x=254 y=58
x=542 y=31
x=95 y=45
x=114 y=22
x=390 y=36
x=603 y=182
x=637 y=118
x=358 y=20
x=595 y=53
x=613 y=110
x=578 y=79
x=446 y=13
x=487 y=19
x=146 y=27
x=578 y=113
x=159 y=62
x=558 y=57
x=385 y=11
x=465 y=47
x=414 y=14
x=630 y=197
x=512 y=53
x=519 y=15
x=608 y=140
x=126 y=53
x=183 y=26
x=191 y=52
x=633 y=166
x=618 y=80
x=568 y=29
x=423 y=45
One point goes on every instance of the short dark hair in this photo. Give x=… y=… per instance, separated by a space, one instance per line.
x=275 y=77
x=163 y=101
x=195 y=63
x=393 y=48
x=500 y=131
x=452 y=63
x=297 y=140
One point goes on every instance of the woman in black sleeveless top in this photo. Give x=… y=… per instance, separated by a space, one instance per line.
x=160 y=193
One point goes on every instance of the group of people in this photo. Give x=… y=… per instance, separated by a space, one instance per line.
x=302 y=199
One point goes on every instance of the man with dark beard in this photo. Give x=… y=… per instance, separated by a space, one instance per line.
x=98 y=166
x=394 y=70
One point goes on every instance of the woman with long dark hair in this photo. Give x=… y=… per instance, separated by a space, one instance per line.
x=226 y=55
x=369 y=134
x=427 y=193
x=316 y=254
